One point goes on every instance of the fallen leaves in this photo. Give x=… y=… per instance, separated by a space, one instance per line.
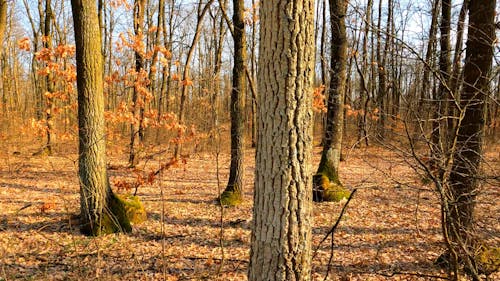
x=181 y=240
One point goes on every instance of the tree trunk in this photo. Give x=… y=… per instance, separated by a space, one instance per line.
x=253 y=71
x=137 y=99
x=49 y=78
x=185 y=74
x=101 y=211
x=3 y=21
x=281 y=236
x=232 y=195
x=440 y=136
x=364 y=89
x=468 y=151
x=425 y=96
x=326 y=184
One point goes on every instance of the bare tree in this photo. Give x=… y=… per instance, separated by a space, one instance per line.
x=233 y=195
x=201 y=11
x=137 y=100
x=467 y=153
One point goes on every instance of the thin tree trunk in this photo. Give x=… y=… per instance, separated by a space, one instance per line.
x=457 y=56
x=440 y=138
x=4 y=6
x=137 y=98
x=382 y=87
x=185 y=74
x=233 y=195
x=253 y=71
x=364 y=94
x=49 y=78
x=425 y=94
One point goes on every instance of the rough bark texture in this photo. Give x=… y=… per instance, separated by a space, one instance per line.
x=327 y=175
x=464 y=175
x=101 y=211
x=232 y=195
x=281 y=236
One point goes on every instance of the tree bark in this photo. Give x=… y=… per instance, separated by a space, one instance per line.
x=327 y=177
x=101 y=211
x=281 y=236
x=232 y=195
x=468 y=151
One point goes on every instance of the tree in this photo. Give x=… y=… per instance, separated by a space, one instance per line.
x=49 y=83
x=3 y=22
x=440 y=134
x=232 y=195
x=186 y=80
x=463 y=180
x=327 y=186
x=101 y=210
x=137 y=100
x=281 y=236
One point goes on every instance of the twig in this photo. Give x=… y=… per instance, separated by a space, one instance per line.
x=24 y=207
x=334 y=227
x=332 y=231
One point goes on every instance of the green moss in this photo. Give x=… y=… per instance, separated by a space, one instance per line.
x=115 y=218
x=230 y=198
x=488 y=259
x=326 y=168
x=134 y=208
x=122 y=211
x=326 y=189
x=335 y=193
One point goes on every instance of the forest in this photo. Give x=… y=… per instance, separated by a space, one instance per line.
x=249 y=140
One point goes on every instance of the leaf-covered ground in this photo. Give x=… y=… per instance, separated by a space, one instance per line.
x=391 y=230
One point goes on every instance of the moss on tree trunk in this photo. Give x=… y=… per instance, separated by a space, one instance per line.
x=231 y=197
x=326 y=182
x=122 y=211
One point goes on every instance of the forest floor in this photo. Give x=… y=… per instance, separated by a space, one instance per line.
x=391 y=230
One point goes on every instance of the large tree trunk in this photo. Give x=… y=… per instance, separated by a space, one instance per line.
x=281 y=236
x=101 y=210
x=327 y=186
x=468 y=152
x=232 y=195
